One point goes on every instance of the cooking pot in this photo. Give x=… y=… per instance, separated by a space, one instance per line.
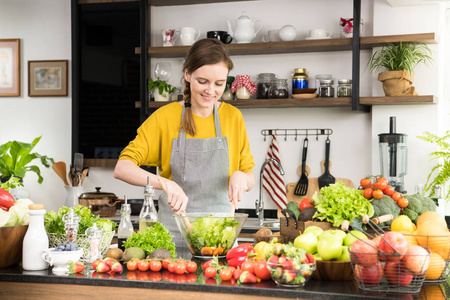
x=100 y=203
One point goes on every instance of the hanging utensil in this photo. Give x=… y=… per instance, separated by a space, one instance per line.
x=61 y=169
x=302 y=185
x=326 y=178
x=78 y=166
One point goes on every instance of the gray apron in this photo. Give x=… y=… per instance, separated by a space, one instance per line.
x=200 y=167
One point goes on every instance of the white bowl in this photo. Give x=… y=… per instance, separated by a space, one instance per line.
x=61 y=259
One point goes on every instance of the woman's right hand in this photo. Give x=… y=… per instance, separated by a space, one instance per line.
x=176 y=197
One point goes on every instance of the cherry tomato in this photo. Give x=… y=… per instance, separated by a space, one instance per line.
x=191 y=267
x=383 y=179
x=206 y=264
x=165 y=263
x=377 y=194
x=210 y=272
x=132 y=275
x=365 y=182
x=381 y=185
x=191 y=277
x=143 y=265
x=261 y=270
x=226 y=274
x=248 y=266
x=155 y=265
x=180 y=268
x=171 y=267
x=144 y=276
x=155 y=276
x=396 y=196
x=389 y=190
x=132 y=265
x=182 y=261
x=211 y=281
x=165 y=275
x=367 y=193
x=181 y=278
x=306 y=202
x=403 y=202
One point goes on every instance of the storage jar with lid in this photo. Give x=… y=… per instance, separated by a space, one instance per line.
x=300 y=79
x=278 y=89
x=320 y=77
x=35 y=240
x=344 y=88
x=326 y=88
x=263 y=82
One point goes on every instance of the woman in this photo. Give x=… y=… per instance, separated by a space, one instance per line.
x=199 y=145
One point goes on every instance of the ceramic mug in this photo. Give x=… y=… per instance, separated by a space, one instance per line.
x=189 y=35
x=272 y=36
x=169 y=37
x=320 y=33
x=287 y=33
x=222 y=36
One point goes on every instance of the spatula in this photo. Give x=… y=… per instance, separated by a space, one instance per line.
x=78 y=166
x=302 y=185
x=60 y=169
x=326 y=178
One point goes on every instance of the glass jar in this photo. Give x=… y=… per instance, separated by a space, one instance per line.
x=228 y=93
x=278 y=89
x=263 y=82
x=300 y=79
x=326 y=88
x=344 y=88
x=320 y=77
x=242 y=93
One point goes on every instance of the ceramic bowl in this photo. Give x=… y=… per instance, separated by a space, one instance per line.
x=61 y=259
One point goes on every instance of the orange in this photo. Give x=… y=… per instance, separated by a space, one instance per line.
x=436 y=267
x=402 y=223
x=432 y=292
x=410 y=238
x=431 y=216
x=430 y=234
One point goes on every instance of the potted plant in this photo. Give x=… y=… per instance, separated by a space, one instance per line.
x=399 y=61
x=15 y=159
x=161 y=89
x=443 y=167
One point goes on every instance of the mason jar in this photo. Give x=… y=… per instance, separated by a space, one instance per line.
x=263 y=82
x=320 y=77
x=278 y=89
x=300 y=79
x=326 y=88
x=344 y=88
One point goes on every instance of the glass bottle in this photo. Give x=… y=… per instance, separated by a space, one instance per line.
x=148 y=215
x=263 y=82
x=326 y=88
x=278 y=89
x=344 y=88
x=228 y=93
x=35 y=240
x=125 y=227
x=71 y=222
x=94 y=235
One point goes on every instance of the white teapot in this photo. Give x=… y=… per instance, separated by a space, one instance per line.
x=245 y=29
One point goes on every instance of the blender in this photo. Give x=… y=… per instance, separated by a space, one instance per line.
x=393 y=156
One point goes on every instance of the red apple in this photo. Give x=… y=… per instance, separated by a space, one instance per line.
x=393 y=246
x=395 y=275
x=377 y=240
x=364 y=253
x=370 y=275
x=416 y=260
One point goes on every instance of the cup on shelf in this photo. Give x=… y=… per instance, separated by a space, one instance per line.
x=287 y=33
x=222 y=36
x=189 y=35
x=169 y=37
x=320 y=33
x=272 y=36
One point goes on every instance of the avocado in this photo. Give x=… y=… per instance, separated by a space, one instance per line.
x=160 y=253
x=133 y=252
x=293 y=206
x=307 y=214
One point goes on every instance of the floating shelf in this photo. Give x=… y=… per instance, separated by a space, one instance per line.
x=100 y=162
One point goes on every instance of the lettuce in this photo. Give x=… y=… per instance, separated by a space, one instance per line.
x=337 y=203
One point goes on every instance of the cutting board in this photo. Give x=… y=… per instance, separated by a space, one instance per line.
x=313 y=185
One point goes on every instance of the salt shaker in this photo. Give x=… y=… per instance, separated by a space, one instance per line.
x=148 y=215
x=125 y=227
x=94 y=234
x=35 y=240
x=71 y=223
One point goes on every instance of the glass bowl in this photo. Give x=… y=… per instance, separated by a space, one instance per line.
x=290 y=275
x=210 y=234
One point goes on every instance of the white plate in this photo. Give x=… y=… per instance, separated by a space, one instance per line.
x=314 y=38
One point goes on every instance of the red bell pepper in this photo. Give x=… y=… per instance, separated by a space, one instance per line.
x=6 y=200
x=239 y=254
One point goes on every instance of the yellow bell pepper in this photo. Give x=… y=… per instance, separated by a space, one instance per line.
x=261 y=249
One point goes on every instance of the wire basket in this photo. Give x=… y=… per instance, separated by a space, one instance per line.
x=82 y=241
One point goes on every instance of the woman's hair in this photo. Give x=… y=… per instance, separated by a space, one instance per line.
x=203 y=52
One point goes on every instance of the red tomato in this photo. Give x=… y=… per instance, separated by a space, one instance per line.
x=210 y=272
x=155 y=265
x=144 y=276
x=181 y=278
x=211 y=281
x=165 y=275
x=165 y=263
x=383 y=179
x=396 y=196
x=306 y=202
x=206 y=264
x=191 y=277
x=180 y=268
x=182 y=261
x=132 y=275
x=171 y=267
x=132 y=265
x=367 y=193
x=143 y=265
x=261 y=270
x=248 y=266
x=191 y=267
x=403 y=202
x=389 y=190
x=381 y=185
x=365 y=182
x=377 y=194
x=155 y=276
x=226 y=274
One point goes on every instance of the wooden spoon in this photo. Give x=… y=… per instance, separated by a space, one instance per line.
x=84 y=174
x=61 y=169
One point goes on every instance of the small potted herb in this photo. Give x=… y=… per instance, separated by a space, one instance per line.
x=161 y=89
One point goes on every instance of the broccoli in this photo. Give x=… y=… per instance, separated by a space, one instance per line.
x=385 y=205
x=418 y=204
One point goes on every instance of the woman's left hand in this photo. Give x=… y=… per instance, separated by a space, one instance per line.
x=237 y=187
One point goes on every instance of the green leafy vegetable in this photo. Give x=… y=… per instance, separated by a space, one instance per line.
x=12 y=183
x=212 y=232
x=152 y=238
x=54 y=223
x=337 y=203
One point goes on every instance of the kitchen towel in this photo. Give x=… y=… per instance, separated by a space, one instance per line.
x=273 y=181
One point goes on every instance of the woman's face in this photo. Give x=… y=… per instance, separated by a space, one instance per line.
x=207 y=86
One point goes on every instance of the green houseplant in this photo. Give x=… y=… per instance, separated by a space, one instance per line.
x=15 y=159
x=161 y=89
x=399 y=60
x=443 y=167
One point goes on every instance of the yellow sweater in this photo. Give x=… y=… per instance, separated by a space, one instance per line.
x=153 y=143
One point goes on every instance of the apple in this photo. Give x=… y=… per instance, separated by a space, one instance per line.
x=329 y=247
x=314 y=229
x=393 y=246
x=317 y=256
x=352 y=236
x=345 y=256
x=416 y=260
x=370 y=275
x=377 y=240
x=307 y=241
x=333 y=232
x=395 y=275
x=364 y=252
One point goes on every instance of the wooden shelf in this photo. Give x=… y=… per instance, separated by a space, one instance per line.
x=187 y=2
x=326 y=45
x=100 y=162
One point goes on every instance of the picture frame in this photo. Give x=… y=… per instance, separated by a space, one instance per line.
x=9 y=67
x=47 y=78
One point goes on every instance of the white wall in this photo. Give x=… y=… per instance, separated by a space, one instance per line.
x=354 y=147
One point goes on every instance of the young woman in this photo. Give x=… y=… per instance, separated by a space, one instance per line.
x=199 y=145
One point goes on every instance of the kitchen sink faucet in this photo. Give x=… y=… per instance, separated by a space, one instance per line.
x=259 y=203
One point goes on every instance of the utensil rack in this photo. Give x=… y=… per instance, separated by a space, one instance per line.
x=297 y=132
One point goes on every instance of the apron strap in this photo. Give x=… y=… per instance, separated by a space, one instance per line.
x=182 y=134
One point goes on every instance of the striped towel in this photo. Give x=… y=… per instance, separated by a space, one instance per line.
x=273 y=181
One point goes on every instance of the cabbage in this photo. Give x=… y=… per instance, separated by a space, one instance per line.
x=10 y=218
x=17 y=214
x=23 y=202
x=23 y=217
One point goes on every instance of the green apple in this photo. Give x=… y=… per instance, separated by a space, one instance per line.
x=352 y=236
x=329 y=247
x=307 y=241
x=314 y=229
x=317 y=256
x=334 y=232
x=345 y=256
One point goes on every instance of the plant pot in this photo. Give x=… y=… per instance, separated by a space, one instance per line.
x=397 y=83
x=161 y=98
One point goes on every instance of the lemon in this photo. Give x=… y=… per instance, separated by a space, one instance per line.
x=402 y=223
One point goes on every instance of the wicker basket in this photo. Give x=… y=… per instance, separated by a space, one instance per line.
x=82 y=242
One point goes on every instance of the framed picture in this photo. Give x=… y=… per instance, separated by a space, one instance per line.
x=9 y=67
x=47 y=78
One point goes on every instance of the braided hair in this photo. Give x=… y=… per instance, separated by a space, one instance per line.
x=203 y=52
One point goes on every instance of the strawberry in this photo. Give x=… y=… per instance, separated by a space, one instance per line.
x=277 y=272
x=288 y=276
x=237 y=273
x=76 y=267
x=103 y=268
x=116 y=267
x=109 y=261
x=288 y=264
x=247 y=277
x=282 y=259
x=310 y=258
x=95 y=263
x=273 y=260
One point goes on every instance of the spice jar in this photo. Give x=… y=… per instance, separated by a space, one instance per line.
x=243 y=87
x=278 y=89
x=344 y=88
x=299 y=79
x=326 y=88
x=228 y=93
x=320 y=77
x=263 y=84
